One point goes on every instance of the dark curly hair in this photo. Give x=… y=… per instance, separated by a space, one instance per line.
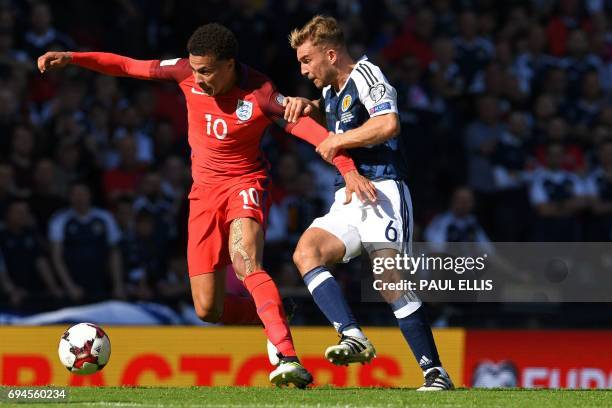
x=213 y=39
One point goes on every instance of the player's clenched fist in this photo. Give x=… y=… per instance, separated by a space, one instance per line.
x=53 y=59
x=296 y=107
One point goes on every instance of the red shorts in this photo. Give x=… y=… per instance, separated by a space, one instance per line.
x=211 y=211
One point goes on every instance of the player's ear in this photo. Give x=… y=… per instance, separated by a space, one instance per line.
x=331 y=55
x=230 y=64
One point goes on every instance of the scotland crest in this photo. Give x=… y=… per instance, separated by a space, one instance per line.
x=244 y=110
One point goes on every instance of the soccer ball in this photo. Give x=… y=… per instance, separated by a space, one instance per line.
x=84 y=348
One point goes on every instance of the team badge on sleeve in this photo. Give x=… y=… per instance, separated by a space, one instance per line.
x=346 y=102
x=244 y=110
x=377 y=92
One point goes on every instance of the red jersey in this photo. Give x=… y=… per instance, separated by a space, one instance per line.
x=225 y=131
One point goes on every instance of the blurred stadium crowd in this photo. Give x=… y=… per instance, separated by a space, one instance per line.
x=506 y=129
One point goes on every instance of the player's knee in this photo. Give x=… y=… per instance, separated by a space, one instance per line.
x=206 y=311
x=307 y=257
x=240 y=268
x=244 y=263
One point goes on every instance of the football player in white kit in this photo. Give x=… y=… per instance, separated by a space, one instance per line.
x=359 y=108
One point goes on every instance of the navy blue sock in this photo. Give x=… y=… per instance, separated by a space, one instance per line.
x=417 y=332
x=328 y=296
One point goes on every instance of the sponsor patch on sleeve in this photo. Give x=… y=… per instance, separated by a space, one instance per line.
x=380 y=107
x=169 y=62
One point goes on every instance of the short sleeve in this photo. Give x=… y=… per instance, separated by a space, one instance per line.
x=375 y=92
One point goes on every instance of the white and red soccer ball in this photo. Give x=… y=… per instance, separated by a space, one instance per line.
x=84 y=348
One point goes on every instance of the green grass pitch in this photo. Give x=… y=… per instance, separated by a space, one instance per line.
x=322 y=397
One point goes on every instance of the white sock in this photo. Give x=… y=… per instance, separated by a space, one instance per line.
x=354 y=332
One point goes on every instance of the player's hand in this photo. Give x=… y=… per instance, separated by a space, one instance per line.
x=52 y=60
x=296 y=107
x=329 y=147
x=356 y=183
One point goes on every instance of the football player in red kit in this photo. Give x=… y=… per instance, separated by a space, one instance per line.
x=229 y=106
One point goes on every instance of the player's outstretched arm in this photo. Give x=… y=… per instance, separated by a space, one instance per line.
x=110 y=64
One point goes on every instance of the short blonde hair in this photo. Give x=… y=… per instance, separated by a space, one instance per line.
x=319 y=30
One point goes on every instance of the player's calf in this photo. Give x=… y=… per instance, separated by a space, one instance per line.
x=208 y=304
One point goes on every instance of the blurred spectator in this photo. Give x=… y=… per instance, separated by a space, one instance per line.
x=10 y=56
x=557 y=196
x=555 y=86
x=154 y=201
x=9 y=117
x=283 y=217
x=133 y=127
x=415 y=40
x=124 y=214
x=445 y=74
x=45 y=199
x=125 y=177
x=166 y=143
x=144 y=254
x=176 y=179
x=599 y=190
x=72 y=165
x=511 y=176
x=42 y=36
x=584 y=112
x=579 y=61
x=568 y=17
x=557 y=132
x=481 y=139
x=458 y=224
x=7 y=186
x=28 y=275
x=84 y=249
x=531 y=66
x=473 y=52
x=22 y=159
x=544 y=109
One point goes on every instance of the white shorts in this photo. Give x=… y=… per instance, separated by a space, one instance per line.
x=385 y=224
